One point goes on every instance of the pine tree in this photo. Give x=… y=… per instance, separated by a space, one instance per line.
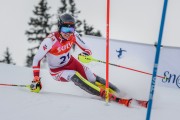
x=40 y=28
x=88 y=30
x=62 y=9
x=30 y=57
x=7 y=57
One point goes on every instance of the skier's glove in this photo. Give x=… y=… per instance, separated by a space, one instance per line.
x=84 y=57
x=36 y=85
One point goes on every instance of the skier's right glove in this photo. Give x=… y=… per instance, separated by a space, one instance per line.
x=36 y=85
x=84 y=57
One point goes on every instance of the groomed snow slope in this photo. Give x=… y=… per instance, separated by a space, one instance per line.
x=65 y=101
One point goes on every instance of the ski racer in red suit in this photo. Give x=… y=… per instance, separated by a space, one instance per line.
x=63 y=66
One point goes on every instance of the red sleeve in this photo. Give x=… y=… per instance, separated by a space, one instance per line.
x=82 y=44
x=45 y=46
x=36 y=70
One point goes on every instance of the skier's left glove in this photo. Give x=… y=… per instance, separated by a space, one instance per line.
x=84 y=57
x=36 y=85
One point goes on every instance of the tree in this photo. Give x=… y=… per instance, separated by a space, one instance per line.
x=7 y=57
x=39 y=28
x=30 y=57
x=88 y=30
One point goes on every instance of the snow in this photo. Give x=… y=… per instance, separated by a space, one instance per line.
x=65 y=101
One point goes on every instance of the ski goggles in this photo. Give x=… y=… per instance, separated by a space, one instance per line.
x=67 y=29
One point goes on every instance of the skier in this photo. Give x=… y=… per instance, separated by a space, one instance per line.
x=63 y=66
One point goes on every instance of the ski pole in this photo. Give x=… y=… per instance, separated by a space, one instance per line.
x=127 y=68
x=87 y=59
x=28 y=86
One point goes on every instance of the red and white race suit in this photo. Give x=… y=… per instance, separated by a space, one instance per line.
x=60 y=61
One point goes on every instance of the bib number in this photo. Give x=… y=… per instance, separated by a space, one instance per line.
x=63 y=58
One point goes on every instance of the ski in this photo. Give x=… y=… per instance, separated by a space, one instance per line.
x=142 y=103
x=123 y=101
x=129 y=102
